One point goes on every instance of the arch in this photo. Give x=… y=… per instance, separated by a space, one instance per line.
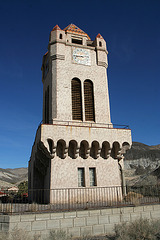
x=115 y=150
x=125 y=147
x=61 y=144
x=105 y=149
x=94 y=149
x=72 y=149
x=89 y=100
x=60 y=36
x=100 y=44
x=83 y=149
x=76 y=99
x=51 y=145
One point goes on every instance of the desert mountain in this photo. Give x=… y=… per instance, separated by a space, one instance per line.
x=12 y=177
x=142 y=164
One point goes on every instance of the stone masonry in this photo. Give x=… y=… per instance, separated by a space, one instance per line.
x=79 y=223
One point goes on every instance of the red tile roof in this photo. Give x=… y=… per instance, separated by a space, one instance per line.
x=99 y=36
x=56 y=28
x=74 y=29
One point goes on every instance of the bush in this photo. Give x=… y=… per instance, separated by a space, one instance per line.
x=140 y=229
x=58 y=235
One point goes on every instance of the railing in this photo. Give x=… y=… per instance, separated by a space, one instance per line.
x=57 y=200
x=85 y=124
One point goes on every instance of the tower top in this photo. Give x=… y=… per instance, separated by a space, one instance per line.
x=99 y=36
x=56 y=28
x=72 y=28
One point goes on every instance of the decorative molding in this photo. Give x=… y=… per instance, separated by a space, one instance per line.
x=58 y=56
x=103 y=64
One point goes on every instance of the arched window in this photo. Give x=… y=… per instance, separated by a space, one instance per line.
x=83 y=149
x=115 y=150
x=60 y=148
x=89 y=101
x=50 y=143
x=72 y=149
x=105 y=150
x=100 y=44
x=76 y=99
x=60 y=36
x=94 y=149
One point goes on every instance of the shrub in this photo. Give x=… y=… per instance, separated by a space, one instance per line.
x=58 y=235
x=133 y=198
x=140 y=229
x=33 y=207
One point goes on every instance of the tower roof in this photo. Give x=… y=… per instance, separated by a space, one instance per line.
x=56 y=28
x=99 y=36
x=74 y=29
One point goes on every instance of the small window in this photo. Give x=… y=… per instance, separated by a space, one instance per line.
x=92 y=176
x=81 y=181
x=77 y=41
x=100 y=44
x=60 y=36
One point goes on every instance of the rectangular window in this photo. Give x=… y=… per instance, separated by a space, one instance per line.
x=92 y=176
x=81 y=180
x=77 y=41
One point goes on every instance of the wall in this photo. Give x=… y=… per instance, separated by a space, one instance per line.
x=78 y=223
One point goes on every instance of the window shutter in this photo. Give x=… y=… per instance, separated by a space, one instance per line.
x=76 y=100
x=89 y=101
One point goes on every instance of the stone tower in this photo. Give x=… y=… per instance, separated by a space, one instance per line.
x=76 y=145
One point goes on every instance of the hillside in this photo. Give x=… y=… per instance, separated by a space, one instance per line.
x=142 y=164
x=12 y=177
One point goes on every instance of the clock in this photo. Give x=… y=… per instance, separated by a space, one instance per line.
x=81 y=56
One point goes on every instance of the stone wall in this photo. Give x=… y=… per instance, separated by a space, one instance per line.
x=78 y=223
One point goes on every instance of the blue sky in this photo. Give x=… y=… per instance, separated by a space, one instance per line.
x=132 y=32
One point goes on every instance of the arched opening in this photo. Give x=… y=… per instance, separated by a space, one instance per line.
x=60 y=36
x=105 y=149
x=125 y=147
x=94 y=149
x=61 y=144
x=72 y=149
x=83 y=149
x=100 y=44
x=115 y=150
x=51 y=145
x=76 y=99
x=89 y=101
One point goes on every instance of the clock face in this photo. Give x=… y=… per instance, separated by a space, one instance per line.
x=81 y=56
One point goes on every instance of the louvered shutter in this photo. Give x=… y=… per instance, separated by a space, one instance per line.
x=89 y=101
x=76 y=100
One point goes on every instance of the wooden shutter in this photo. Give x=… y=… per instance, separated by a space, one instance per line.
x=89 y=101
x=76 y=100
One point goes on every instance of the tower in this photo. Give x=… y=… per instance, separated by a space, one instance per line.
x=76 y=146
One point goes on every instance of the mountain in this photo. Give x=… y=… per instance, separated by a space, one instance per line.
x=142 y=164
x=12 y=177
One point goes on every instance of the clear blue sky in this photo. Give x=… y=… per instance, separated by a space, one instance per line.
x=132 y=32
